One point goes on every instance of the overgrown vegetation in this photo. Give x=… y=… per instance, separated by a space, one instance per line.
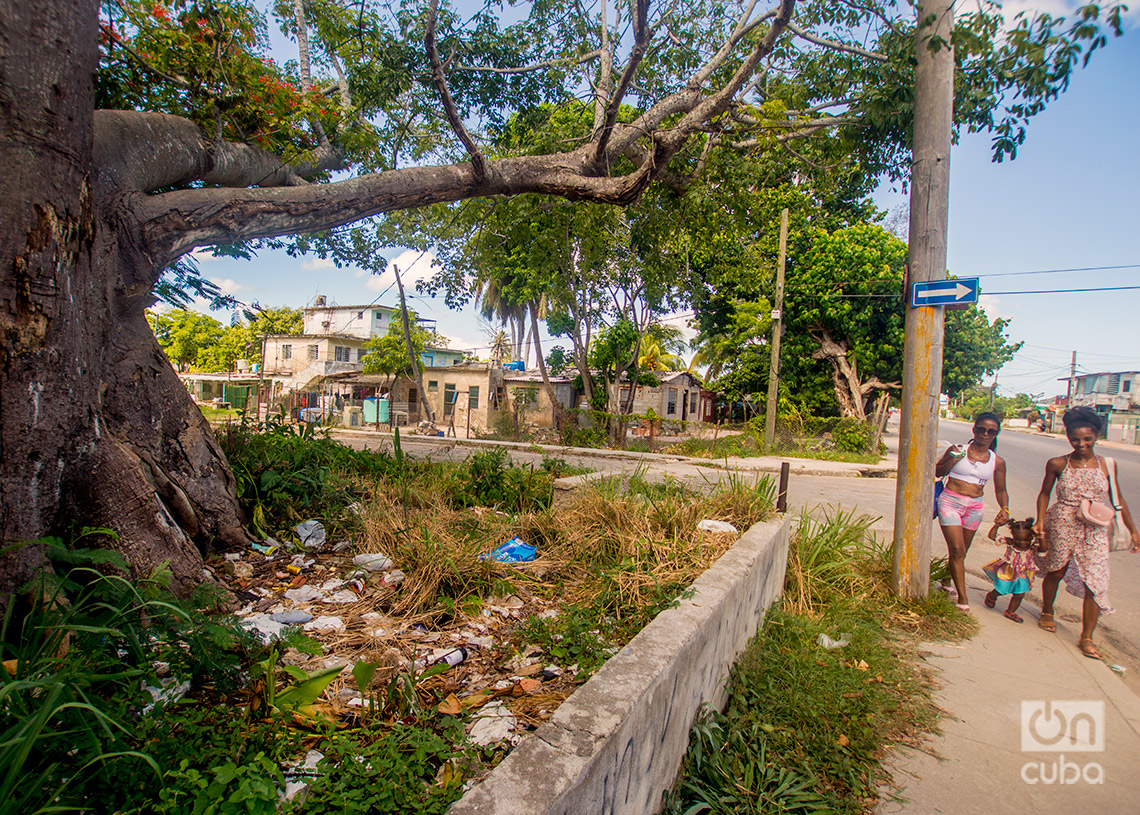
x=805 y=727
x=827 y=439
x=90 y=659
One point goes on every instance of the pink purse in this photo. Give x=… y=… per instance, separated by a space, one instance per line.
x=1094 y=513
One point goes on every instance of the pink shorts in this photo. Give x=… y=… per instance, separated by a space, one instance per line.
x=955 y=509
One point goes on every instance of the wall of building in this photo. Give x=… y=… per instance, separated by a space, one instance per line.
x=363 y=322
x=456 y=382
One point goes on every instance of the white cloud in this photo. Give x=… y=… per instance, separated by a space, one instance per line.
x=309 y=264
x=994 y=307
x=414 y=266
x=1054 y=8
x=229 y=285
x=204 y=256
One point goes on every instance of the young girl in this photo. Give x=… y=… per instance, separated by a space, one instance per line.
x=1014 y=571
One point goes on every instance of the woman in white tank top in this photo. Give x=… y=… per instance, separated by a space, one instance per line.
x=960 y=506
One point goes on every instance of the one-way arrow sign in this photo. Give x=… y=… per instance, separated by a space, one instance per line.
x=944 y=292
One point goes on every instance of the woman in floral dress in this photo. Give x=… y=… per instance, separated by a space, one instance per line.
x=1075 y=550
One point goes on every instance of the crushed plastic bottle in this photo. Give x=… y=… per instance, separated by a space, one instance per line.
x=830 y=644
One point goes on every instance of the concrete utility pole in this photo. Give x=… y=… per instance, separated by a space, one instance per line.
x=777 y=328
x=922 y=371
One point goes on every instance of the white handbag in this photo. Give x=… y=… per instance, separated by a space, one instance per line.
x=1119 y=538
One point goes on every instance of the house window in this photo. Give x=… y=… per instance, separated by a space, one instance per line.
x=448 y=398
x=360 y=315
x=671 y=406
x=361 y=353
x=412 y=398
x=343 y=354
x=456 y=361
x=497 y=398
x=433 y=386
x=473 y=397
x=693 y=402
x=1127 y=385
x=286 y=352
x=314 y=351
x=378 y=316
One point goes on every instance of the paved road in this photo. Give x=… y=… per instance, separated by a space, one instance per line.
x=1025 y=455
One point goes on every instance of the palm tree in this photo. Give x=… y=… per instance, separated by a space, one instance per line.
x=655 y=358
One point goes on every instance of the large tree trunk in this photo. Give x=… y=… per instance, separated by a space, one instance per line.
x=96 y=429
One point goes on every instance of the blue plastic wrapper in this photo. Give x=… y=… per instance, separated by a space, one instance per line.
x=513 y=551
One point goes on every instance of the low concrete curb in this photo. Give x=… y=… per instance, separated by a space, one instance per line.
x=616 y=745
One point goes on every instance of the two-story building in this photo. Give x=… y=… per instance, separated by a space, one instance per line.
x=335 y=341
x=1115 y=395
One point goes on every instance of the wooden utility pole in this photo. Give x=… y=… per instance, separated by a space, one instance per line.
x=777 y=327
x=922 y=363
x=1072 y=376
x=411 y=352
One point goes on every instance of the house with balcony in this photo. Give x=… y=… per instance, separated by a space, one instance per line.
x=1115 y=395
x=335 y=341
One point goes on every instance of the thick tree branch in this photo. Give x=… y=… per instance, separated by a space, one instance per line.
x=691 y=98
x=177 y=222
x=605 y=80
x=640 y=44
x=151 y=151
x=478 y=163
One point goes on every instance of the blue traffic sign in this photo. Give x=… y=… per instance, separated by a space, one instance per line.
x=944 y=292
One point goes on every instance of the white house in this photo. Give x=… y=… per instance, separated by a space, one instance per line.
x=335 y=341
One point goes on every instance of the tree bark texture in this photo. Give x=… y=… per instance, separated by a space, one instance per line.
x=95 y=427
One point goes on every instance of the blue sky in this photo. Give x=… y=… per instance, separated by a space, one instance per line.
x=1071 y=200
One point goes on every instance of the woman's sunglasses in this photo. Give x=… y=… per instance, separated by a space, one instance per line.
x=986 y=431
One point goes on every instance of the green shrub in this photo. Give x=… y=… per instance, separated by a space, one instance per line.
x=852 y=435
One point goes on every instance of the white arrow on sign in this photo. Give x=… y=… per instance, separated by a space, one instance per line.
x=959 y=292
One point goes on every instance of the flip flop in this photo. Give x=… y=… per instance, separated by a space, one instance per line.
x=949 y=589
x=1045 y=622
x=1089 y=649
x=1017 y=618
x=962 y=606
x=991 y=600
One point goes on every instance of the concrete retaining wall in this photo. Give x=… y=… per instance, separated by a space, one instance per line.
x=616 y=745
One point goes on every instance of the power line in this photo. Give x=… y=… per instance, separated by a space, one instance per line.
x=1061 y=271
x=1065 y=291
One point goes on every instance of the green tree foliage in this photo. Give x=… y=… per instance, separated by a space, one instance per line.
x=184 y=334
x=195 y=340
x=973 y=347
x=977 y=400
x=388 y=354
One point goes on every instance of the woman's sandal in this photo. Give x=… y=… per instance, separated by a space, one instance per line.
x=991 y=600
x=1045 y=622
x=962 y=606
x=1010 y=615
x=1089 y=649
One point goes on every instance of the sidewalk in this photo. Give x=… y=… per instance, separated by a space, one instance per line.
x=978 y=763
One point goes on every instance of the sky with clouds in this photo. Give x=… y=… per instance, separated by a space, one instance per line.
x=1071 y=200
